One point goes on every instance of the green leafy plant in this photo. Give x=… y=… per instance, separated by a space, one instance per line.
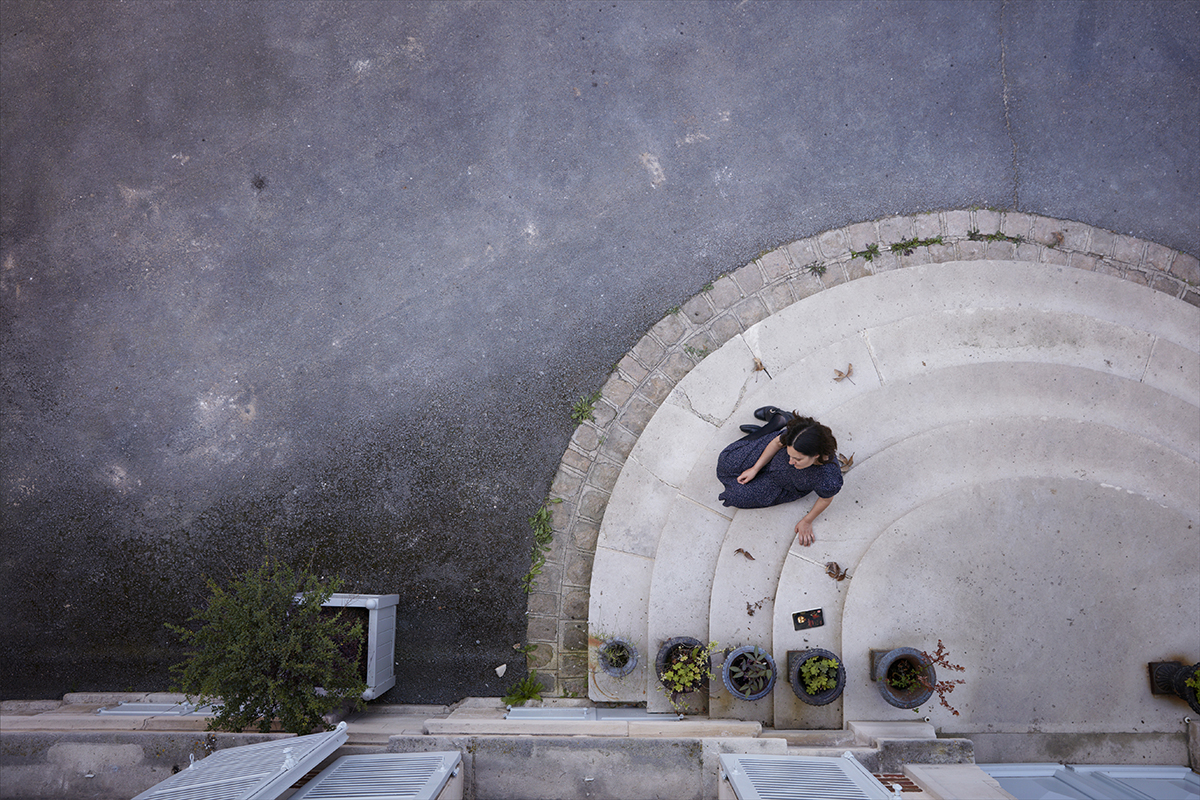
x=907 y=246
x=751 y=673
x=686 y=671
x=1193 y=683
x=975 y=236
x=819 y=674
x=816 y=269
x=263 y=650
x=543 y=536
x=584 y=408
x=695 y=352
x=528 y=688
x=868 y=254
x=903 y=675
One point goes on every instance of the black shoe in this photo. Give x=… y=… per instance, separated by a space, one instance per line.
x=766 y=412
x=750 y=428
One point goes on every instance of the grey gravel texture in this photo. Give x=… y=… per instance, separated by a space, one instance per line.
x=324 y=280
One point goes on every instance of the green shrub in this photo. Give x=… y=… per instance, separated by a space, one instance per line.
x=260 y=654
x=819 y=674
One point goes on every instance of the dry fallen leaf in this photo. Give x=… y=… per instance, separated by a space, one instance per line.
x=743 y=552
x=758 y=367
x=841 y=376
x=846 y=462
x=834 y=571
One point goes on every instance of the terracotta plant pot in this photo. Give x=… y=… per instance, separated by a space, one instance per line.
x=796 y=678
x=906 y=666
x=737 y=661
x=617 y=657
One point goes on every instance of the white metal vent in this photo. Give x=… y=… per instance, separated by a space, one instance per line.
x=384 y=776
x=1095 y=781
x=251 y=772
x=800 y=778
x=138 y=708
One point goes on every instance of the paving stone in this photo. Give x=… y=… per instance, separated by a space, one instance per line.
x=586 y=533
x=586 y=437
x=955 y=224
x=804 y=283
x=549 y=580
x=970 y=251
x=1166 y=285
x=574 y=687
x=1015 y=223
x=1028 y=251
x=1192 y=296
x=1158 y=257
x=543 y=604
x=542 y=655
x=636 y=414
x=576 y=460
x=617 y=443
x=833 y=245
x=698 y=309
x=750 y=311
x=775 y=264
x=1102 y=241
x=894 y=229
x=542 y=629
x=857 y=268
x=592 y=503
x=604 y=412
x=927 y=226
x=860 y=235
x=748 y=278
x=1000 y=251
x=1137 y=276
x=579 y=569
x=648 y=351
x=939 y=254
x=724 y=294
x=920 y=255
x=987 y=220
x=1083 y=261
x=803 y=252
x=1053 y=255
x=676 y=366
x=1128 y=250
x=1186 y=268
x=572 y=665
x=723 y=328
x=1076 y=236
x=566 y=482
x=833 y=275
x=656 y=387
x=669 y=330
x=1048 y=232
x=603 y=475
x=1107 y=267
x=777 y=296
x=575 y=606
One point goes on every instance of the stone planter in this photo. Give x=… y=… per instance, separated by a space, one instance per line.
x=1170 y=678
x=379 y=643
x=796 y=678
x=617 y=657
x=738 y=660
x=884 y=668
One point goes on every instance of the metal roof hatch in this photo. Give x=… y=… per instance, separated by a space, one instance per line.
x=800 y=778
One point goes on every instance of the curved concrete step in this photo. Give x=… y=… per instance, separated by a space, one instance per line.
x=1057 y=636
x=884 y=488
x=663 y=525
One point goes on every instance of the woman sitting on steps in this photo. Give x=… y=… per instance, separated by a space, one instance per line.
x=779 y=462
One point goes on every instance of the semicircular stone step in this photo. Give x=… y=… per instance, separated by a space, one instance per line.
x=889 y=484
x=1055 y=593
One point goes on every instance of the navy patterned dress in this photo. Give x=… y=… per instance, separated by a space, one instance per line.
x=777 y=482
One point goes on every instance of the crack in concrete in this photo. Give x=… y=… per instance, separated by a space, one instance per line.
x=1016 y=197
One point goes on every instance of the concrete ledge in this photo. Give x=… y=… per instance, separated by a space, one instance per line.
x=871 y=732
x=894 y=754
x=90 y=764
x=955 y=781
x=1083 y=748
x=457 y=726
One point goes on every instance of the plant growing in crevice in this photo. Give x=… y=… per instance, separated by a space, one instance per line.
x=263 y=650
x=584 y=408
x=907 y=246
x=816 y=269
x=975 y=236
x=697 y=353
x=868 y=254
x=524 y=690
x=543 y=536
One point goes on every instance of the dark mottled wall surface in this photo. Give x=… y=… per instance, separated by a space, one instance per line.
x=325 y=279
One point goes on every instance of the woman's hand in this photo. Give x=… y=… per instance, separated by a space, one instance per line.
x=748 y=475
x=805 y=532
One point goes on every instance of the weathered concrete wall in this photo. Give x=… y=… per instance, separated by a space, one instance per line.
x=1082 y=748
x=86 y=765
x=579 y=767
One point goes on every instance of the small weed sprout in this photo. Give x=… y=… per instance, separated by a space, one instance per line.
x=907 y=246
x=697 y=353
x=584 y=408
x=543 y=535
x=868 y=254
x=975 y=236
x=816 y=269
x=524 y=690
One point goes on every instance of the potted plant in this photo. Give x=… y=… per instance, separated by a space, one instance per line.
x=749 y=673
x=264 y=651
x=817 y=676
x=683 y=666
x=906 y=676
x=1173 y=678
x=617 y=657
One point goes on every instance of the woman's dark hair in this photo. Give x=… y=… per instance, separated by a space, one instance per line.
x=806 y=435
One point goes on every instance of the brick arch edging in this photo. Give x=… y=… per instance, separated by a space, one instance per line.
x=558 y=605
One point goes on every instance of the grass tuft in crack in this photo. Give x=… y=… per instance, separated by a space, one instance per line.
x=584 y=408
x=543 y=535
